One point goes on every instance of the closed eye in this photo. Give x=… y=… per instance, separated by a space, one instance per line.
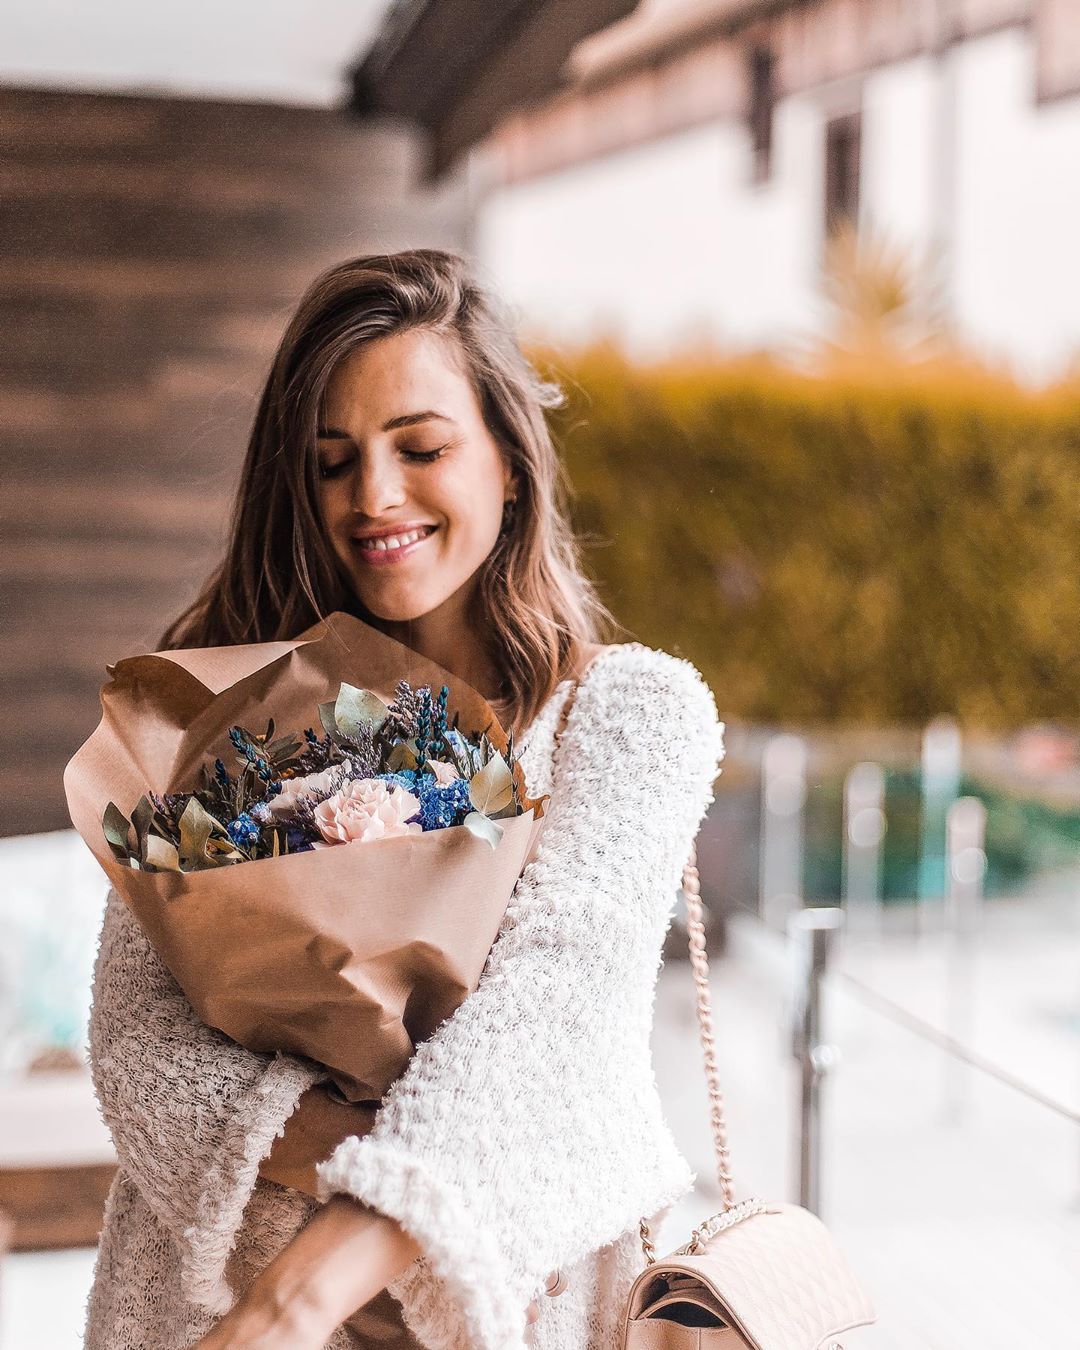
x=416 y=456
x=424 y=456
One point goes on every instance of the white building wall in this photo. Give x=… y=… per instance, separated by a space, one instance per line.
x=900 y=153
x=1018 y=220
x=654 y=241
x=668 y=239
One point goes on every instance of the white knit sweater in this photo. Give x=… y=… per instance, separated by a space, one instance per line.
x=526 y=1134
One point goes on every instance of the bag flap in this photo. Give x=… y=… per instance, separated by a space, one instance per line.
x=696 y=1294
x=779 y=1278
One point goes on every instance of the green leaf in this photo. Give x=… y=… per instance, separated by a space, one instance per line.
x=116 y=827
x=483 y=828
x=492 y=787
x=358 y=706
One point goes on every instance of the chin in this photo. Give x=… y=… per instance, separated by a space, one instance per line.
x=400 y=611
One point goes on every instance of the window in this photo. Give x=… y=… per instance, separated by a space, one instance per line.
x=842 y=142
x=762 y=83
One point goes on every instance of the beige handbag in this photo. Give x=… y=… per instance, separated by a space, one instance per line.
x=756 y=1276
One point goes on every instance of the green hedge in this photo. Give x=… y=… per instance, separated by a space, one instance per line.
x=1024 y=836
x=867 y=548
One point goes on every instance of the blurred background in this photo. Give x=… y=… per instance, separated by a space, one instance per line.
x=807 y=272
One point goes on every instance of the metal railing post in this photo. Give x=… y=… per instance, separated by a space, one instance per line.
x=965 y=852
x=783 y=797
x=813 y=933
x=864 y=834
x=942 y=755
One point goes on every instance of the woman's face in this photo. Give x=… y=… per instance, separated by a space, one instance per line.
x=404 y=455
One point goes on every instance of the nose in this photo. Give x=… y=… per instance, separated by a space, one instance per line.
x=379 y=485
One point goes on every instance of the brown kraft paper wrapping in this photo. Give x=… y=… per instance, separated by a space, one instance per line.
x=349 y=955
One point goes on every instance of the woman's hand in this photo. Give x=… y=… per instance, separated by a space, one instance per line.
x=258 y=1322
x=249 y=1327
x=337 y=1262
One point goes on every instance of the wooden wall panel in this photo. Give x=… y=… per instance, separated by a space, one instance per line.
x=151 y=250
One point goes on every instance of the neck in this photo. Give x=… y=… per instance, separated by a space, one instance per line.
x=447 y=637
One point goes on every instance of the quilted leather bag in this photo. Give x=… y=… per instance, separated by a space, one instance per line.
x=755 y=1276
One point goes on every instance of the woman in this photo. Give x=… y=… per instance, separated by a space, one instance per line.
x=400 y=467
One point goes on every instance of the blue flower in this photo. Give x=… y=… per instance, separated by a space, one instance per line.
x=443 y=806
x=243 y=831
x=408 y=779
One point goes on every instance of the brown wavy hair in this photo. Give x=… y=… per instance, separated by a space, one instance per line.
x=535 y=607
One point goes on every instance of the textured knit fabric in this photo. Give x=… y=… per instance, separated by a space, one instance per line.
x=526 y=1134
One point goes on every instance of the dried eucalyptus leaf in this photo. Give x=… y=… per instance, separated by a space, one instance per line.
x=355 y=707
x=505 y=812
x=196 y=827
x=161 y=855
x=492 y=787
x=284 y=747
x=402 y=756
x=143 y=814
x=141 y=819
x=326 y=717
x=483 y=828
x=117 y=832
x=221 y=851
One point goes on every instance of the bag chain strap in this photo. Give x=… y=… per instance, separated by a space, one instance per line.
x=699 y=961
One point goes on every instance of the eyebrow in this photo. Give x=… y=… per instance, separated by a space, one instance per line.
x=405 y=420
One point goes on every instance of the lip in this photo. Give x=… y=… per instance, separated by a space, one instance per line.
x=402 y=527
x=389 y=557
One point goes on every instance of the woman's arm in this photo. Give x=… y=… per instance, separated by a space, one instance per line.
x=527 y=1131
x=343 y=1257
x=191 y=1112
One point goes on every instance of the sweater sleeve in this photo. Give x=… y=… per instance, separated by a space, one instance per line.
x=523 y=1134
x=191 y=1112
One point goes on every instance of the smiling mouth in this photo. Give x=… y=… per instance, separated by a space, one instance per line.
x=392 y=548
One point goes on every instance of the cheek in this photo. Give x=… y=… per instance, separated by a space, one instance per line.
x=336 y=514
x=329 y=507
x=470 y=503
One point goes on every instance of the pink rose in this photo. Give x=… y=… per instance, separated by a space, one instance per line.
x=445 y=773
x=366 y=808
x=317 y=785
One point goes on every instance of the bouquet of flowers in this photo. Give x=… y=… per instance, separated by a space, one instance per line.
x=375 y=774
x=334 y=895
